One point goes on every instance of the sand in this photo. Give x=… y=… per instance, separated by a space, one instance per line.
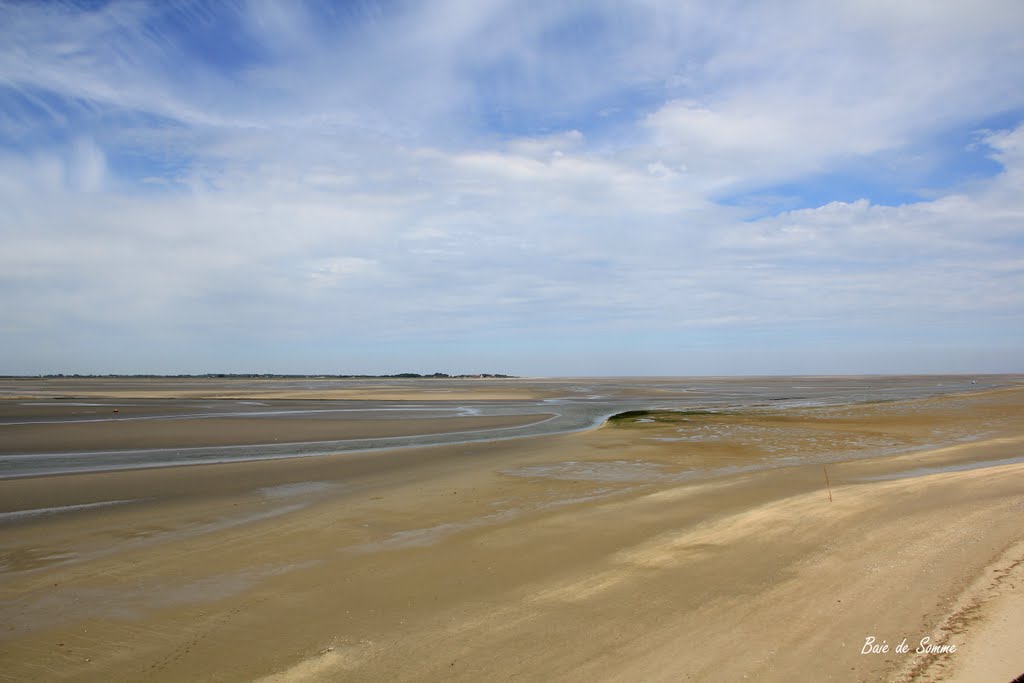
x=210 y=430
x=694 y=547
x=273 y=389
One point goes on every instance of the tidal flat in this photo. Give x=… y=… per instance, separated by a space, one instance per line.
x=545 y=529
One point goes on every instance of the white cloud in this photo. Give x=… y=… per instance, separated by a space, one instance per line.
x=350 y=189
x=332 y=272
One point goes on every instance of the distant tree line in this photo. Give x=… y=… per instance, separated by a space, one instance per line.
x=267 y=375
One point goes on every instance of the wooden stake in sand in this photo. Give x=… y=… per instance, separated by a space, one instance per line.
x=827 y=483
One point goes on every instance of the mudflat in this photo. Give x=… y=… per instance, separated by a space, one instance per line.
x=211 y=430
x=763 y=542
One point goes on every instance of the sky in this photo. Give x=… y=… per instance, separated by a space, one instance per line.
x=582 y=187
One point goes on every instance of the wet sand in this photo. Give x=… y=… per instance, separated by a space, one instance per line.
x=690 y=546
x=68 y=425
x=210 y=430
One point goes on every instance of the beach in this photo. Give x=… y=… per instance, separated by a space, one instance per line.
x=775 y=539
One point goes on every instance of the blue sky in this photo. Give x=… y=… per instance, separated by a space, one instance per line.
x=572 y=188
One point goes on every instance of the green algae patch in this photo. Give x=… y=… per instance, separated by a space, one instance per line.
x=648 y=417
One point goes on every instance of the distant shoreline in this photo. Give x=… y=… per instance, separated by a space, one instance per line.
x=264 y=375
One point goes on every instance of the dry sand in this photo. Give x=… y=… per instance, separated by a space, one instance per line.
x=273 y=389
x=695 y=547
